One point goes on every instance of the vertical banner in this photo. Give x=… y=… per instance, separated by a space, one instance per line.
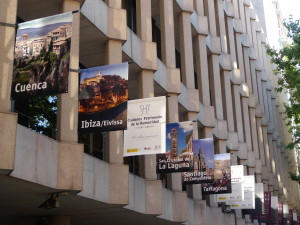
x=249 y=195
x=146 y=127
x=103 y=96
x=203 y=151
x=179 y=149
x=222 y=176
x=42 y=57
x=237 y=187
x=285 y=213
x=280 y=213
x=291 y=216
x=273 y=219
x=298 y=220
x=267 y=208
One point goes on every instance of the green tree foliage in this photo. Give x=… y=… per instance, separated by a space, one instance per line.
x=42 y=113
x=287 y=61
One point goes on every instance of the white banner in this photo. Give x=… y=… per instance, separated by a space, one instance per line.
x=146 y=127
x=249 y=195
x=237 y=187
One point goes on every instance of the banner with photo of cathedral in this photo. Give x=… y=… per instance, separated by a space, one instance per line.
x=203 y=151
x=222 y=176
x=42 y=57
x=179 y=149
x=103 y=96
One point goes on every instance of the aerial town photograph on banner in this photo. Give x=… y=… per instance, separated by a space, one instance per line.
x=42 y=56
x=103 y=96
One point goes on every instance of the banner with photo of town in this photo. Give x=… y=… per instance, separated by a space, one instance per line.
x=203 y=150
x=222 y=176
x=179 y=149
x=42 y=57
x=103 y=97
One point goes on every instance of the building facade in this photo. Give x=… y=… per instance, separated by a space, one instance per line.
x=207 y=56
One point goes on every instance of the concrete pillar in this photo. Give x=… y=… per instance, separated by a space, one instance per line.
x=186 y=49
x=167 y=33
x=67 y=104
x=8 y=120
x=8 y=13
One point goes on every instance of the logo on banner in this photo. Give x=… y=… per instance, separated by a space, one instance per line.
x=146 y=127
x=42 y=57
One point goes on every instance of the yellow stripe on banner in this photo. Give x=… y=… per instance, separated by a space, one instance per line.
x=222 y=198
x=132 y=150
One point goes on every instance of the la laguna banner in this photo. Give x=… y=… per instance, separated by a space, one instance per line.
x=222 y=176
x=103 y=96
x=146 y=127
x=179 y=149
x=237 y=187
x=203 y=151
x=42 y=57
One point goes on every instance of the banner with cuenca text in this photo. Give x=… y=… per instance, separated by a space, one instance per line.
x=146 y=127
x=179 y=149
x=103 y=96
x=42 y=57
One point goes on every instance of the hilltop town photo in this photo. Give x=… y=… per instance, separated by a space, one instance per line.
x=42 y=56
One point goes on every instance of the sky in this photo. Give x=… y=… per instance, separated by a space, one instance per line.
x=290 y=7
x=64 y=17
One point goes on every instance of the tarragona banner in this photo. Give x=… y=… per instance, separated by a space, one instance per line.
x=222 y=176
x=42 y=57
x=179 y=149
x=103 y=97
x=146 y=127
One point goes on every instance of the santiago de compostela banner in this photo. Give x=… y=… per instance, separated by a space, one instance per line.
x=42 y=56
x=203 y=151
x=103 y=97
x=222 y=176
x=146 y=127
x=179 y=149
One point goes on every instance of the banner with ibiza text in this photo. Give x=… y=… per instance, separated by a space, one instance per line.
x=179 y=149
x=42 y=57
x=203 y=151
x=146 y=127
x=222 y=176
x=103 y=96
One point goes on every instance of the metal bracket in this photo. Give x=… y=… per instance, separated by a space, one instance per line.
x=8 y=24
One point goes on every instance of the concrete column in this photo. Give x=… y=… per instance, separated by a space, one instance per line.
x=60 y=220
x=8 y=120
x=209 y=8
x=167 y=33
x=202 y=69
x=67 y=104
x=186 y=50
x=114 y=3
x=8 y=13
